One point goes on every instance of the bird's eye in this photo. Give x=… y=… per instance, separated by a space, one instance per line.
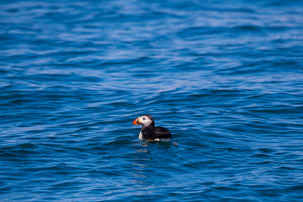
x=143 y=118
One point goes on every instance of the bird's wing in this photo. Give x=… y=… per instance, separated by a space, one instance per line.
x=156 y=132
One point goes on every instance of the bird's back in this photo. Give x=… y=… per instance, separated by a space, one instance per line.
x=156 y=133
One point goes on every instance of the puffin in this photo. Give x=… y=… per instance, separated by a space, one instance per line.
x=149 y=131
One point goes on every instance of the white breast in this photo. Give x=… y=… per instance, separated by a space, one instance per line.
x=141 y=136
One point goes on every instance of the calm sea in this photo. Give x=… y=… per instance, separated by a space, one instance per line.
x=226 y=77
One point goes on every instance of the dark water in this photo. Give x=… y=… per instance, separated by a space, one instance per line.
x=226 y=77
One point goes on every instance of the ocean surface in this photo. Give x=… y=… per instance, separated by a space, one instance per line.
x=225 y=77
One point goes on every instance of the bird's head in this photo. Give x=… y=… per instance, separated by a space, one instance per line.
x=144 y=120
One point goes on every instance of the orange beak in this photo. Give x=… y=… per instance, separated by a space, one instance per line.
x=136 y=121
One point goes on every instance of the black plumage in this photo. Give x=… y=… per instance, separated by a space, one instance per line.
x=152 y=133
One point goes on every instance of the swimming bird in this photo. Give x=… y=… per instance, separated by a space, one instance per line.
x=149 y=131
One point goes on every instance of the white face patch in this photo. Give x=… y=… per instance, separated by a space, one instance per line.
x=145 y=121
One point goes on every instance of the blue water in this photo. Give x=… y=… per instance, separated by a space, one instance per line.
x=226 y=77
